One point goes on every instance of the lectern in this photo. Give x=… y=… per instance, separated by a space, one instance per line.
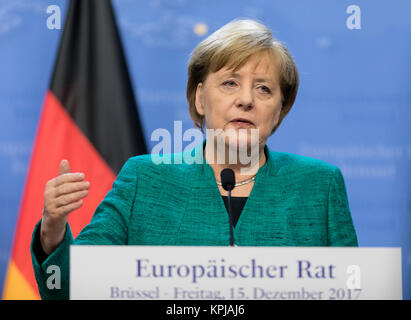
x=249 y=273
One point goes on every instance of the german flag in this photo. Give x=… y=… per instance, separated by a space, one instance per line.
x=89 y=117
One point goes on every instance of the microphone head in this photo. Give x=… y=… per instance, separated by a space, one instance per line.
x=227 y=179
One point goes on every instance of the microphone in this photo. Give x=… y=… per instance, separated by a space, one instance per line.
x=228 y=184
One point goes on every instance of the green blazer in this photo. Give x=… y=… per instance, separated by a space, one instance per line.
x=295 y=201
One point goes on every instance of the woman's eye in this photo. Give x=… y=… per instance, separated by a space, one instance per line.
x=265 y=89
x=229 y=83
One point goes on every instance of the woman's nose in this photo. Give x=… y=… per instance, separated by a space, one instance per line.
x=245 y=98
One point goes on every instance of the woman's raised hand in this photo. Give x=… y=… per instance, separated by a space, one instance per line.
x=62 y=195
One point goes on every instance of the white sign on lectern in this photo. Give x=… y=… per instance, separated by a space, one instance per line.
x=234 y=273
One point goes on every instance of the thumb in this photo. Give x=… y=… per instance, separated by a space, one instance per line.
x=64 y=167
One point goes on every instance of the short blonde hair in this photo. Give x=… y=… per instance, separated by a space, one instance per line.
x=231 y=46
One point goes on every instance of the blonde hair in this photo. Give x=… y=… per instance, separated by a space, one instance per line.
x=231 y=46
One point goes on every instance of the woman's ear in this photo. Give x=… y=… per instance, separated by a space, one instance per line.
x=198 y=101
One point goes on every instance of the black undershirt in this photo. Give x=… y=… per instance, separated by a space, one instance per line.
x=237 y=205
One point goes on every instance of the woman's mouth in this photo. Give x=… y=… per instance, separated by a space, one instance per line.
x=242 y=123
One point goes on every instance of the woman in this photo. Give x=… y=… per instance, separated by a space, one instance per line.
x=240 y=81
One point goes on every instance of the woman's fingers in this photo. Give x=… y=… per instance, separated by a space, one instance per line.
x=63 y=210
x=63 y=194
x=69 y=198
x=64 y=167
x=71 y=187
x=64 y=178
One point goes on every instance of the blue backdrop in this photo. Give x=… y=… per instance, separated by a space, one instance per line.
x=353 y=108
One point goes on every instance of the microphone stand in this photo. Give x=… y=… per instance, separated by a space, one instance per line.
x=228 y=183
x=230 y=217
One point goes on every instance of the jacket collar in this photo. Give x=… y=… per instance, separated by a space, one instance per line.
x=268 y=169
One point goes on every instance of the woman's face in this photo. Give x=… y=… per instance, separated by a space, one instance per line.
x=248 y=98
